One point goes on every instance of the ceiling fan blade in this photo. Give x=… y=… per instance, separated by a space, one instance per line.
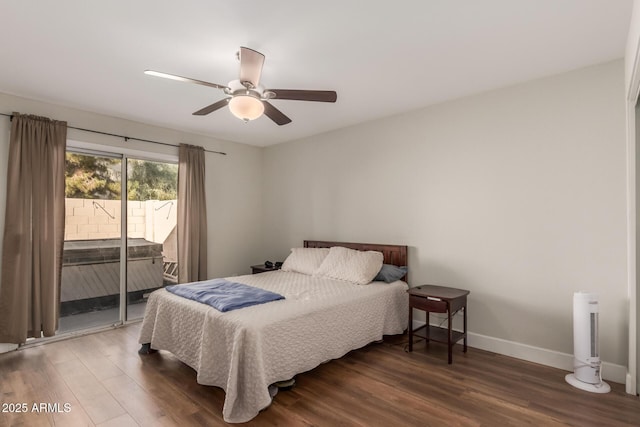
x=305 y=95
x=274 y=114
x=183 y=79
x=213 y=107
x=250 y=65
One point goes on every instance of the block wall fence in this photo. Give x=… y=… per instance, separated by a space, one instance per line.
x=91 y=219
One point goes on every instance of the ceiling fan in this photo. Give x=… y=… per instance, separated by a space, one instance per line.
x=246 y=98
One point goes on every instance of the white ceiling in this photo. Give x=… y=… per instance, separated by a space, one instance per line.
x=382 y=57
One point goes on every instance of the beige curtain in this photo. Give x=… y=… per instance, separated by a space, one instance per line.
x=33 y=229
x=192 y=215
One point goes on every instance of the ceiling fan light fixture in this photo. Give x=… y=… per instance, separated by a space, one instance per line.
x=246 y=107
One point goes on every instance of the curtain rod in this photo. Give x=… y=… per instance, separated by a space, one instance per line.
x=126 y=138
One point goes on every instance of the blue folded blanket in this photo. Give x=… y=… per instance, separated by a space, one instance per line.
x=224 y=295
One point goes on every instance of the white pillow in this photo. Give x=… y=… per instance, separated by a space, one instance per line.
x=351 y=265
x=305 y=260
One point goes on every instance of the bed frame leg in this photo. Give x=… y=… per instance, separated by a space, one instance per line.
x=285 y=385
x=146 y=349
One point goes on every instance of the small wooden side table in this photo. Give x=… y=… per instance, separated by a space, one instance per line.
x=438 y=299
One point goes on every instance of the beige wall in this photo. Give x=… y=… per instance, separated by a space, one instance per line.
x=516 y=194
x=233 y=182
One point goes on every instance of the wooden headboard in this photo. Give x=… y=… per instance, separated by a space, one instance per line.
x=393 y=254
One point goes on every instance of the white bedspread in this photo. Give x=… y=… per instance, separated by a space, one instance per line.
x=244 y=351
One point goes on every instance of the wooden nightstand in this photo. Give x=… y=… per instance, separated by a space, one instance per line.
x=260 y=268
x=439 y=299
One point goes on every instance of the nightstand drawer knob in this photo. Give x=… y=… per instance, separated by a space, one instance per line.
x=434 y=299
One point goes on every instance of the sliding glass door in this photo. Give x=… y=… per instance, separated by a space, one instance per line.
x=120 y=237
x=152 y=196
x=91 y=269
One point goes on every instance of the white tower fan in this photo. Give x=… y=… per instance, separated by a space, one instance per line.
x=587 y=374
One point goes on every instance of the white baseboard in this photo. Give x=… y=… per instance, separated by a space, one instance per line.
x=543 y=356
x=4 y=347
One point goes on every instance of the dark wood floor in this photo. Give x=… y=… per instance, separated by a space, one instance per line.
x=106 y=383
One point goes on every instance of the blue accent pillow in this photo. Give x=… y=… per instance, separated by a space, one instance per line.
x=390 y=273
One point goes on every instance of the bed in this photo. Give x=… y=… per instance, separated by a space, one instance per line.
x=245 y=351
